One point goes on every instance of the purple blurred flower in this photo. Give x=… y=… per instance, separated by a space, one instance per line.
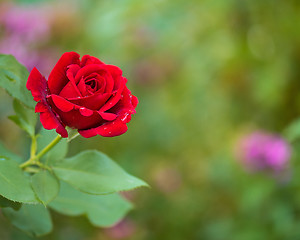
x=121 y=230
x=30 y=23
x=25 y=29
x=264 y=151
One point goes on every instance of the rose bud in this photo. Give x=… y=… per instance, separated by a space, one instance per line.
x=87 y=95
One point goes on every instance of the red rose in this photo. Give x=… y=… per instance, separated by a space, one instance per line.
x=87 y=95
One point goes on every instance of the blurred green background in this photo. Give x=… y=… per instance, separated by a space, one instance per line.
x=206 y=73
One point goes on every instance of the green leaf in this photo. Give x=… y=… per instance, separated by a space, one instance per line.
x=4 y=202
x=45 y=185
x=5 y=153
x=35 y=220
x=101 y=210
x=56 y=153
x=95 y=173
x=292 y=132
x=13 y=78
x=14 y=184
x=25 y=118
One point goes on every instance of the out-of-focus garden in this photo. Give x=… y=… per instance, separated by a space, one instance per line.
x=218 y=84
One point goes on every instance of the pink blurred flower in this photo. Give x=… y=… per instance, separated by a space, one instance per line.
x=25 y=29
x=121 y=230
x=264 y=151
x=29 y=23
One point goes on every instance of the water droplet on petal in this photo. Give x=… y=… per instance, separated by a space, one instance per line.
x=125 y=117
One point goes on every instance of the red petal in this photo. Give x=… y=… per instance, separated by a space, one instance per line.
x=101 y=70
x=58 y=78
x=82 y=87
x=134 y=101
x=72 y=71
x=40 y=107
x=49 y=120
x=37 y=84
x=114 y=71
x=86 y=112
x=66 y=106
x=75 y=119
x=127 y=103
x=93 y=102
x=108 y=116
x=87 y=59
x=69 y=91
x=113 y=100
x=62 y=104
x=110 y=129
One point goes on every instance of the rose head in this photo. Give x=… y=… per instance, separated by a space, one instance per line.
x=85 y=94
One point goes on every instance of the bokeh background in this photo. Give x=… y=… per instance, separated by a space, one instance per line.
x=207 y=74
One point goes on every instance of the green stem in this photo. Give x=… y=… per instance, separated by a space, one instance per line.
x=33 y=146
x=34 y=159
x=27 y=163
x=48 y=147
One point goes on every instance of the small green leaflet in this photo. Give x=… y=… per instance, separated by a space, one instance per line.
x=4 y=202
x=13 y=78
x=35 y=220
x=102 y=210
x=14 y=184
x=95 y=173
x=45 y=185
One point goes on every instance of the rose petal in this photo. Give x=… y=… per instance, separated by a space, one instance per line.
x=37 y=84
x=86 y=112
x=50 y=120
x=62 y=104
x=114 y=99
x=127 y=103
x=93 y=102
x=71 y=72
x=40 y=107
x=57 y=78
x=69 y=91
x=82 y=87
x=66 y=106
x=114 y=71
x=87 y=59
x=134 y=100
x=110 y=129
x=75 y=119
x=108 y=116
x=101 y=70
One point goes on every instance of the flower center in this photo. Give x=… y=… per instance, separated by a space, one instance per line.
x=92 y=83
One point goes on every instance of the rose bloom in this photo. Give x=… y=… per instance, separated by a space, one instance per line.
x=87 y=95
